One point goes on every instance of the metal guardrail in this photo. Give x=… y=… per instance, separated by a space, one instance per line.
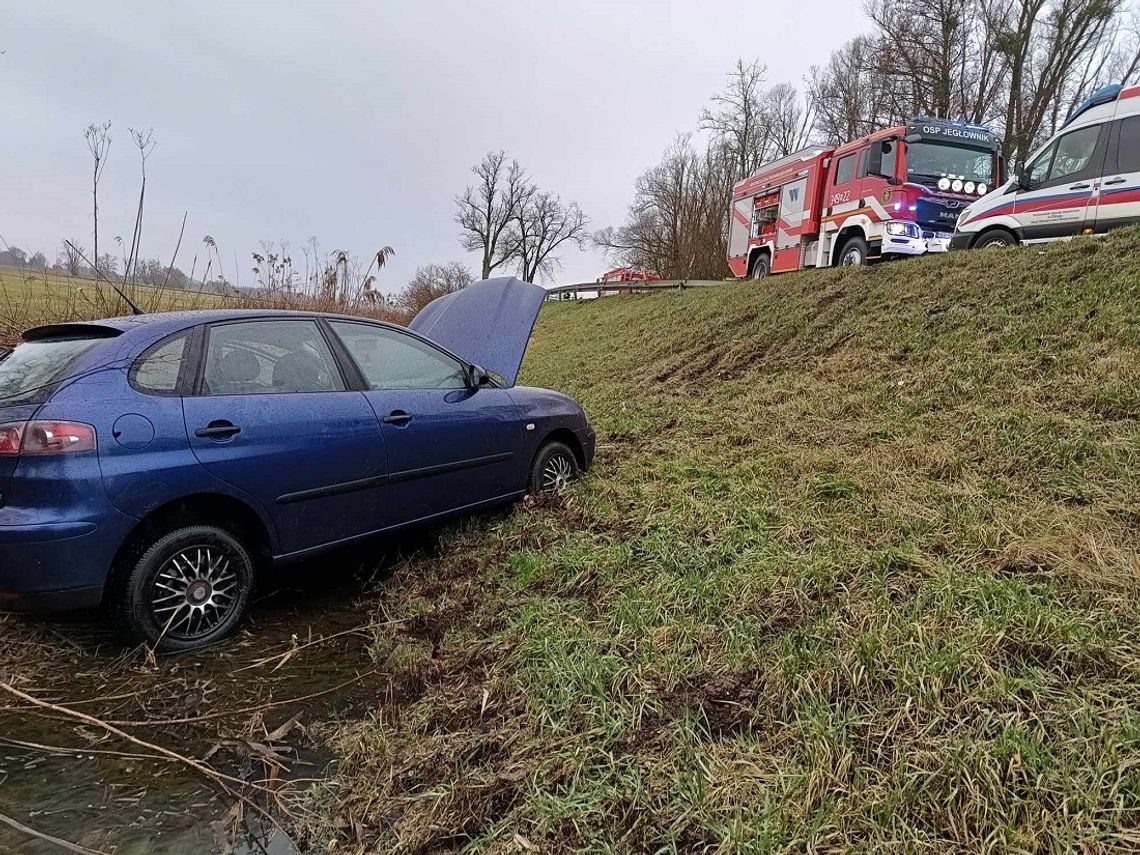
x=601 y=289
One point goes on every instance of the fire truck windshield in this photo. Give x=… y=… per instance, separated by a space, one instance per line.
x=927 y=162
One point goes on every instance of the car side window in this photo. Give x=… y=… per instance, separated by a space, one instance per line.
x=1074 y=151
x=390 y=359
x=158 y=370
x=270 y=356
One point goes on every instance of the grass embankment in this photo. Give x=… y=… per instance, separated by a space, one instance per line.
x=857 y=568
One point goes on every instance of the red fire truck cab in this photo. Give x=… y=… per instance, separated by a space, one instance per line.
x=894 y=193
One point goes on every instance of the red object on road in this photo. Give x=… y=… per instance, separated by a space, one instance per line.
x=628 y=274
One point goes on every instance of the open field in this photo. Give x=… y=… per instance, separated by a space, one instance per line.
x=857 y=569
x=29 y=297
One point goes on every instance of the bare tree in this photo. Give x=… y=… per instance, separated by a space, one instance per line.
x=543 y=224
x=738 y=119
x=487 y=210
x=1047 y=45
x=938 y=57
x=850 y=93
x=99 y=144
x=677 y=225
x=71 y=257
x=790 y=120
x=432 y=281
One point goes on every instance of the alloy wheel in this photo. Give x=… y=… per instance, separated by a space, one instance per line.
x=557 y=474
x=193 y=593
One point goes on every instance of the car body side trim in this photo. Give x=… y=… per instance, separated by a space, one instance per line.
x=394 y=478
x=333 y=490
x=337 y=544
x=443 y=468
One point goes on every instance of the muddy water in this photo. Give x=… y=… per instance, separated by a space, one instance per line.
x=127 y=804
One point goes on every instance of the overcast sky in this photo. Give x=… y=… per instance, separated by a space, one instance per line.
x=358 y=122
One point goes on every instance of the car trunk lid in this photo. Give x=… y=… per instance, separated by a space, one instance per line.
x=33 y=370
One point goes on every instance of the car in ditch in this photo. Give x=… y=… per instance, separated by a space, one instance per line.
x=158 y=464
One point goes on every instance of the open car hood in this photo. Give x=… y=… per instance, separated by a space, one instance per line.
x=488 y=323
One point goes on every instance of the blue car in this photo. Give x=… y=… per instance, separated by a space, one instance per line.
x=158 y=463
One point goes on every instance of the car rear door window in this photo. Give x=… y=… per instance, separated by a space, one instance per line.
x=30 y=373
x=266 y=357
x=158 y=370
x=389 y=359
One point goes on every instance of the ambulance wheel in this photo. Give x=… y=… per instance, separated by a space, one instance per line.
x=853 y=253
x=761 y=266
x=996 y=239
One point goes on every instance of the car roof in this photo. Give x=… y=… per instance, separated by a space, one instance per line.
x=159 y=323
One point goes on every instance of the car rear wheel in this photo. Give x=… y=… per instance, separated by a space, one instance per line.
x=761 y=266
x=188 y=589
x=996 y=239
x=554 y=469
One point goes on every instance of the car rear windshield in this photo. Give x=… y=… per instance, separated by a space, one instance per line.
x=30 y=372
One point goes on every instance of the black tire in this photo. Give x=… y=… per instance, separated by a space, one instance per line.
x=761 y=266
x=555 y=467
x=207 y=567
x=853 y=253
x=996 y=239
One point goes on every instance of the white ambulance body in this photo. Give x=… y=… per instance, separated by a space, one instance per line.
x=1085 y=180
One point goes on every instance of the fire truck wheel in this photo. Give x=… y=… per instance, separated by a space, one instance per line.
x=761 y=266
x=996 y=239
x=853 y=253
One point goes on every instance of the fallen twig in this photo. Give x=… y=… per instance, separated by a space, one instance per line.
x=163 y=722
x=47 y=838
x=222 y=780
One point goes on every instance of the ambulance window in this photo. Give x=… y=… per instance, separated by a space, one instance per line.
x=844 y=169
x=1040 y=167
x=1128 y=150
x=1074 y=151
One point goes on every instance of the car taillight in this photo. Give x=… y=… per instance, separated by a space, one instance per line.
x=46 y=437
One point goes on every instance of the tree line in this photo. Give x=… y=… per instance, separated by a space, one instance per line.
x=1019 y=66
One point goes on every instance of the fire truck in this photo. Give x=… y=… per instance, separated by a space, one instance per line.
x=895 y=193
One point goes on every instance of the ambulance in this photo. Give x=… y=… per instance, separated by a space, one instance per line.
x=1085 y=180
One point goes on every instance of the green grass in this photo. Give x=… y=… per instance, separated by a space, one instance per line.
x=857 y=570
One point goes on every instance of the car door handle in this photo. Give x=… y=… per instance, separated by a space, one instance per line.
x=218 y=429
x=1115 y=181
x=1079 y=187
x=397 y=417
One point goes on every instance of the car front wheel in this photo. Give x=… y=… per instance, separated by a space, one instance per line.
x=554 y=469
x=853 y=253
x=188 y=589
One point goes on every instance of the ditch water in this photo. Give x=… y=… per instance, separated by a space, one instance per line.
x=234 y=705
